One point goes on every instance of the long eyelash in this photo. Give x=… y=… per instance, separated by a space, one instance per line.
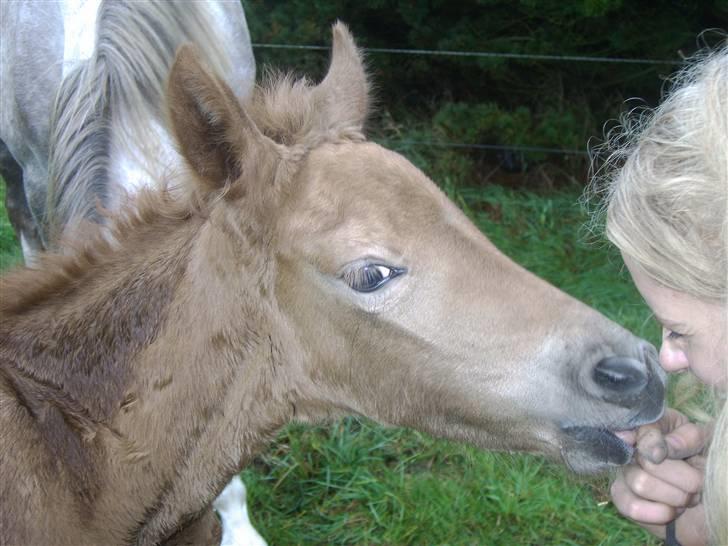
x=361 y=276
x=371 y=277
x=674 y=335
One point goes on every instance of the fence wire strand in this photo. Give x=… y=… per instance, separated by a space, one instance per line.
x=483 y=54
x=492 y=147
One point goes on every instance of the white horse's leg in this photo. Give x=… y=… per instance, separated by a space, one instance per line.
x=30 y=254
x=236 y=527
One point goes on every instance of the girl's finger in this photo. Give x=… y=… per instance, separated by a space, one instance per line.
x=648 y=487
x=686 y=440
x=637 y=508
x=678 y=473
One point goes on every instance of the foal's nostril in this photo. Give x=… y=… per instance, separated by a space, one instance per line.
x=619 y=375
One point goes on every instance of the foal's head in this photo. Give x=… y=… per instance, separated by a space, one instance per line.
x=401 y=309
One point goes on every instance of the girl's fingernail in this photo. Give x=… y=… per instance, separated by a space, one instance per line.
x=658 y=455
x=627 y=436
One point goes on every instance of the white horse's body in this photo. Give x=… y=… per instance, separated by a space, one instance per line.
x=79 y=38
x=42 y=44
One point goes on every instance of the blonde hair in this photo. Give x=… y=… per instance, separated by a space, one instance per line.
x=664 y=192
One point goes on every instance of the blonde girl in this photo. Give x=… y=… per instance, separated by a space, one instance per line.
x=666 y=211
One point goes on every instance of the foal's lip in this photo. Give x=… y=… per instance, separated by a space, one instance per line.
x=601 y=444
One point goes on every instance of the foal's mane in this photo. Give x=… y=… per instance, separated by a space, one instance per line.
x=26 y=287
x=135 y=47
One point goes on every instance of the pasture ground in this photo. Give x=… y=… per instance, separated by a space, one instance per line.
x=354 y=482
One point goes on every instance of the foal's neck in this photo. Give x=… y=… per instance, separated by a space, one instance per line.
x=169 y=353
x=208 y=380
x=78 y=325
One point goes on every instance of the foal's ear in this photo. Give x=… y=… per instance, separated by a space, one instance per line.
x=343 y=95
x=215 y=135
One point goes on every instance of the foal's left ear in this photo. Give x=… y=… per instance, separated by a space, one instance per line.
x=216 y=137
x=342 y=98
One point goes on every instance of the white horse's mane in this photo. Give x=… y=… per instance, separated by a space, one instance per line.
x=117 y=94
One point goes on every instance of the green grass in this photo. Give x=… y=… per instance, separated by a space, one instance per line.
x=10 y=253
x=358 y=483
x=354 y=482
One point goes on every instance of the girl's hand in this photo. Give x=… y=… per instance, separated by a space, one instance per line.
x=666 y=478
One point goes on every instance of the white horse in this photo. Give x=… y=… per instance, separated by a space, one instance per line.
x=82 y=124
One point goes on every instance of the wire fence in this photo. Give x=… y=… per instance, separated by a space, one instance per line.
x=482 y=54
x=487 y=54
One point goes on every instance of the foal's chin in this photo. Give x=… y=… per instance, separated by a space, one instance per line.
x=590 y=450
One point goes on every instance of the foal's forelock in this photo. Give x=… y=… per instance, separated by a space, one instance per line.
x=285 y=109
x=126 y=75
x=297 y=112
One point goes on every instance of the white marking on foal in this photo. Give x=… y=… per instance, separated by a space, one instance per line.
x=236 y=527
x=79 y=27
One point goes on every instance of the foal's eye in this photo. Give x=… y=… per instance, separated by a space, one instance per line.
x=371 y=277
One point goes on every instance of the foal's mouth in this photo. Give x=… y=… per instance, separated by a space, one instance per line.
x=600 y=444
x=587 y=449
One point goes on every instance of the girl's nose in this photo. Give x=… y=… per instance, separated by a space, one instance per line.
x=672 y=355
